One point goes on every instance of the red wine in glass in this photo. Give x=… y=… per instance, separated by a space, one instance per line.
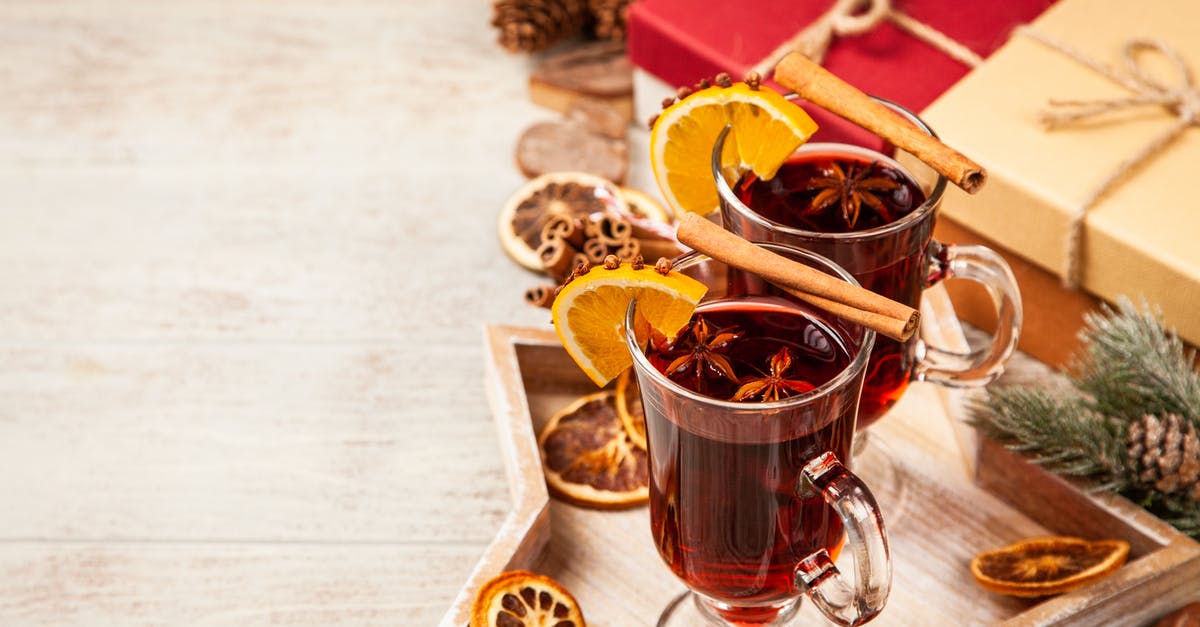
x=724 y=512
x=834 y=192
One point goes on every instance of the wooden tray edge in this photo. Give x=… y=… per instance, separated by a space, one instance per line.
x=526 y=530
x=1169 y=557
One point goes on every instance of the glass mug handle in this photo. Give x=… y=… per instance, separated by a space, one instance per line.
x=982 y=366
x=865 y=538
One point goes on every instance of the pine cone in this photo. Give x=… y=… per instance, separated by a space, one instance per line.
x=1165 y=454
x=610 y=18
x=533 y=25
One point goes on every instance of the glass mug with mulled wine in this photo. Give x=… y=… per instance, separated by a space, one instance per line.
x=875 y=218
x=750 y=413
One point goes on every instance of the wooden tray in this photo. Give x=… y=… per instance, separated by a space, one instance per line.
x=938 y=518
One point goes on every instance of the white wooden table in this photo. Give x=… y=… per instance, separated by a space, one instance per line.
x=246 y=254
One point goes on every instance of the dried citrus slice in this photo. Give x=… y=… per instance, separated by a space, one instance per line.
x=1045 y=566
x=519 y=597
x=766 y=130
x=629 y=408
x=641 y=205
x=588 y=457
x=589 y=313
x=557 y=193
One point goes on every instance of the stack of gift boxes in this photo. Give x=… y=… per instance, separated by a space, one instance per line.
x=1140 y=238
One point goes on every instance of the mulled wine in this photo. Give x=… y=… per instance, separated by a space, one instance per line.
x=842 y=193
x=724 y=509
x=749 y=423
x=832 y=193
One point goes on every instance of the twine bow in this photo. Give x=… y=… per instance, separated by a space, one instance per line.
x=855 y=17
x=1181 y=99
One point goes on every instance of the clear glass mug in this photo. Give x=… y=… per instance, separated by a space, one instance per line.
x=751 y=502
x=899 y=260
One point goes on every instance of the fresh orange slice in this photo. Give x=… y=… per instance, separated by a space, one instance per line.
x=1045 y=566
x=629 y=408
x=766 y=130
x=519 y=597
x=589 y=458
x=589 y=313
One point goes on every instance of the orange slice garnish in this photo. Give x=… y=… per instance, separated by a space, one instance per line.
x=589 y=458
x=766 y=130
x=589 y=313
x=519 y=597
x=629 y=408
x=1045 y=566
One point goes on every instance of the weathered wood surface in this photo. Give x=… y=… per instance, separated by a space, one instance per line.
x=247 y=252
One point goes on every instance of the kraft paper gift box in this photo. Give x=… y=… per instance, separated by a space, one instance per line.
x=677 y=42
x=1142 y=237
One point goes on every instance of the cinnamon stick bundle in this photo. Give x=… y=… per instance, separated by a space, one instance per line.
x=848 y=301
x=822 y=88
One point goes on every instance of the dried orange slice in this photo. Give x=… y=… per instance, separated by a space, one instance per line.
x=588 y=457
x=629 y=408
x=589 y=313
x=766 y=130
x=575 y=194
x=519 y=597
x=641 y=205
x=1045 y=566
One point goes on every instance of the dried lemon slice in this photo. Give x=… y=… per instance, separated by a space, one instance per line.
x=629 y=408
x=1045 y=566
x=588 y=457
x=520 y=597
x=589 y=313
x=766 y=130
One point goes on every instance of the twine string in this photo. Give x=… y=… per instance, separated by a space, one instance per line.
x=847 y=18
x=1181 y=98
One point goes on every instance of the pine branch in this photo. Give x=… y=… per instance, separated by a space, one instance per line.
x=1133 y=366
x=1175 y=510
x=1060 y=433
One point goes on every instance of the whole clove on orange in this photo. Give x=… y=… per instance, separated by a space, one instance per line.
x=520 y=598
x=589 y=458
x=1045 y=566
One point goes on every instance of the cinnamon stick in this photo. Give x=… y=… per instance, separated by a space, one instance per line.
x=627 y=250
x=853 y=303
x=540 y=296
x=595 y=250
x=557 y=257
x=564 y=227
x=653 y=248
x=822 y=88
x=610 y=230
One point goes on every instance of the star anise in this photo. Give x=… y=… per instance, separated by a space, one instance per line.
x=774 y=386
x=698 y=349
x=849 y=191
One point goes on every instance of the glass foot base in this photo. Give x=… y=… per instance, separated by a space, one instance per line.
x=692 y=610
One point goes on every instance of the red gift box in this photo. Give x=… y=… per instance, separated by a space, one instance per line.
x=681 y=41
